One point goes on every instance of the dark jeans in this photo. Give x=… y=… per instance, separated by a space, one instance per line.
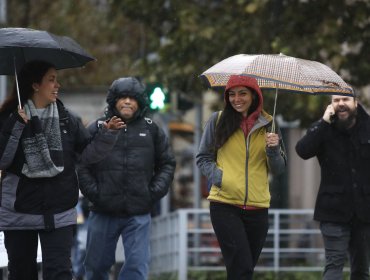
x=102 y=237
x=21 y=246
x=241 y=235
x=341 y=239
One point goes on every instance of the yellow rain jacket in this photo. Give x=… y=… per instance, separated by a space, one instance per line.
x=244 y=168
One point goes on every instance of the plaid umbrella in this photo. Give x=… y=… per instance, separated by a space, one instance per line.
x=279 y=71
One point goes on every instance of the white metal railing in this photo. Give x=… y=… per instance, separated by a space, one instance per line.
x=184 y=241
x=3 y=255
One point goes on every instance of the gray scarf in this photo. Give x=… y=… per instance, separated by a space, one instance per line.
x=42 y=144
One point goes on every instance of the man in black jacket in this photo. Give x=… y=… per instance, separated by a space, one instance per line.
x=125 y=185
x=341 y=143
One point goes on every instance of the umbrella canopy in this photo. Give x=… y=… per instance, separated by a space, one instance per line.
x=281 y=72
x=21 y=45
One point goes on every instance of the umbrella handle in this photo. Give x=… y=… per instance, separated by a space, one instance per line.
x=17 y=86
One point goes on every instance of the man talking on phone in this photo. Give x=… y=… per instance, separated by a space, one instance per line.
x=341 y=142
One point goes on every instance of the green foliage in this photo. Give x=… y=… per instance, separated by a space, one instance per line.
x=114 y=43
x=194 y=35
x=164 y=276
x=174 y=41
x=221 y=275
x=291 y=276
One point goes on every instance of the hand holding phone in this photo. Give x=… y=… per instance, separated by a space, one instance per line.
x=329 y=114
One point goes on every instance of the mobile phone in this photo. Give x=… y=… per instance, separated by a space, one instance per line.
x=333 y=118
x=100 y=124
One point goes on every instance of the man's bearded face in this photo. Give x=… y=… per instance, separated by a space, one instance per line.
x=345 y=108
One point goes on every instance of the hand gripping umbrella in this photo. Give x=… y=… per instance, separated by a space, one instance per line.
x=21 y=45
x=279 y=72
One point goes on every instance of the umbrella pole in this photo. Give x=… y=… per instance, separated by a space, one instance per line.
x=273 y=115
x=16 y=84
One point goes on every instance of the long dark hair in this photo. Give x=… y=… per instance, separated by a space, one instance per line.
x=31 y=72
x=230 y=120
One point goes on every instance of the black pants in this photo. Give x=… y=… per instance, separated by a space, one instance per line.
x=241 y=235
x=341 y=239
x=21 y=246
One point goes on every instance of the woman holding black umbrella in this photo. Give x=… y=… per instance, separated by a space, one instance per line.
x=39 y=142
x=236 y=153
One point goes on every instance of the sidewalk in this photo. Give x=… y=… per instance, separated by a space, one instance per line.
x=113 y=275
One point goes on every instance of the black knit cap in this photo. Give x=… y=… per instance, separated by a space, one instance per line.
x=127 y=86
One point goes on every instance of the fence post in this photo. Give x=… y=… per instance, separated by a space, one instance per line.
x=183 y=244
x=276 y=240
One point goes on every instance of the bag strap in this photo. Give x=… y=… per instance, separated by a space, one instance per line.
x=216 y=122
x=153 y=129
x=218 y=117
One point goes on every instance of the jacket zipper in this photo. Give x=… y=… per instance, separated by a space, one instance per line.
x=246 y=170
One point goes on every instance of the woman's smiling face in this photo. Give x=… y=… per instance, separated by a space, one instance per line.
x=240 y=99
x=46 y=91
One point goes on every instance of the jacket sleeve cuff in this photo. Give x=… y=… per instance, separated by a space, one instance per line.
x=273 y=151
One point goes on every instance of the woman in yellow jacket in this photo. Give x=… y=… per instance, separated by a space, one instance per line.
x=236 y=153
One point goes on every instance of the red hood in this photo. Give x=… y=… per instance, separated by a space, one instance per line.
x=251 y=83
x=245 y=81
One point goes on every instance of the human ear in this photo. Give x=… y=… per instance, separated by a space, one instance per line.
x=35 y=87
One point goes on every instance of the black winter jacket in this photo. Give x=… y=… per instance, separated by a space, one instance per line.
x=344 y=158
x=135 y=175
x=44 y=203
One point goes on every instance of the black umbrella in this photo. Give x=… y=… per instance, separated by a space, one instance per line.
x=21 y=45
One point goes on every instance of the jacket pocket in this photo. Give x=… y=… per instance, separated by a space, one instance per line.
x=217 y=178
